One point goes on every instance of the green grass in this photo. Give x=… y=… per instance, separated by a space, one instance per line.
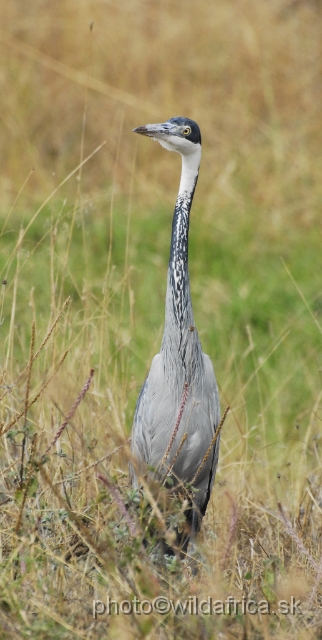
x=264 y=339
x=245 y=287
x=257 y=302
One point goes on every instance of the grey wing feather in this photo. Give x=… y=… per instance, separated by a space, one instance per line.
x=155 y=416
x=142 y=431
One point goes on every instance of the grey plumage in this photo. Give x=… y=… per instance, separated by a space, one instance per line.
x=181 y=363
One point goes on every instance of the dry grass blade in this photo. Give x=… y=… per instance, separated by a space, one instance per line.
x=119 y=501
x=177 y=424
x=23 y=446
x=232 y=528
x=71 y=412
x=300 y=292
x=53 y=615
x=79 y=77
x=16 y=200
x=61 y=184
x=94 y=464
x=173 y=461
x=46 y=338
x=154 y=505
x=213 y=441
x=44 y=342
x=13 y=422
x=29 y=366
x=80 y=527
x=49 y=198
x=27 y=482
x=316 y=585
x=117 y=421
x=297 y=540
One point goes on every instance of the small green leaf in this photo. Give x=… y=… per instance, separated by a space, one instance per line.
x=33 y=487
x=18 y=495
x=12 y=434
x=101 y=496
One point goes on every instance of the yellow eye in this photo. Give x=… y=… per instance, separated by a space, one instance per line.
x=186 y=131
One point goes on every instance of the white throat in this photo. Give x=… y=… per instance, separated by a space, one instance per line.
x=190 y=169
x=190 y=154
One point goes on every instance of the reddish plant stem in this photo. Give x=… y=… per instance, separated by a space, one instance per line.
x=72 y=411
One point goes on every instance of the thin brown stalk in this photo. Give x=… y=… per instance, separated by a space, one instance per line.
x=213 y=441
x=115 y=413
x=94 y=464
x=31 y=352
x=64 y=488
x=184 y=398
x=27 y=483
x=120 y=503
x=232 y=528
x=16 y=200
x=47 y=336
x=184 y=438
x=297 y=540
x=44 y=342
x=3 y=431
x=71 y=412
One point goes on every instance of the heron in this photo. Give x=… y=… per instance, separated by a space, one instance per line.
x=178 y=411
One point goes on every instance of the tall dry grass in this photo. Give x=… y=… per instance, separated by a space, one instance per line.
x=73 y=76
x=249 y=72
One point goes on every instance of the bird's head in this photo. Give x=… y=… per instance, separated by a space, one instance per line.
x=177 y=134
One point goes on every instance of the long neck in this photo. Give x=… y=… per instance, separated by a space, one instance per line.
x=178 y=332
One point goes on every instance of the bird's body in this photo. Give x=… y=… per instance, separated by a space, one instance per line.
x=181 y=378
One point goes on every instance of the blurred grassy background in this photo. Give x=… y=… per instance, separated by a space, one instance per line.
x=76 y=75
x=250 y=74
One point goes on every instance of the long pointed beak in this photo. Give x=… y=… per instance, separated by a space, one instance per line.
x=155 y=130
